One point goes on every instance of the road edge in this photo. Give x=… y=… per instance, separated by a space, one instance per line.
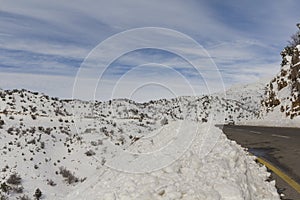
x=281 y=174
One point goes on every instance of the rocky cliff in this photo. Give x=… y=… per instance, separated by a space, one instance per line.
x=283 y=91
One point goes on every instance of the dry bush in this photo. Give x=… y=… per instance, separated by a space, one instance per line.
x=14 y=179
x=68 y=175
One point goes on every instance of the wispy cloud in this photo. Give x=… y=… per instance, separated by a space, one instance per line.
x=243 y=38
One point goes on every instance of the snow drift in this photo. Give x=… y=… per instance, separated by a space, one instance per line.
x=225 y=172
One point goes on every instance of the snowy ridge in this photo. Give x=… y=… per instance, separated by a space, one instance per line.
x=250 y=95
x=62 y=146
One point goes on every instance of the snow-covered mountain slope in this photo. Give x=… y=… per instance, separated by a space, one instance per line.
x=281 y=102
x=283 y=91
x=62 y=146
x=213 y=107
x=250 y=95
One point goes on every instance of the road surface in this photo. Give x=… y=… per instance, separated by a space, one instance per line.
x=279 y=146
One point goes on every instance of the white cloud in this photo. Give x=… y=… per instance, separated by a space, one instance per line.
x=243 y=38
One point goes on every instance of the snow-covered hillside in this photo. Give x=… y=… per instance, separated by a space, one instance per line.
x=73 y=149
x=281 y=101
x=250 y=95
x=283 y=92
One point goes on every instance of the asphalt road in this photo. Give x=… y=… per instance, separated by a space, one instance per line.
x=279 y=146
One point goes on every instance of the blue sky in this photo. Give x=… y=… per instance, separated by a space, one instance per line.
x=43 y=43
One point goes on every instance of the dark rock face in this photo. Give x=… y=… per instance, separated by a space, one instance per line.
x=284 y=89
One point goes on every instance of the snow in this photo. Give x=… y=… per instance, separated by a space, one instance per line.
x=226 y=172
x=280 y=104
x=250 y=95
x=273 y=119
x=164 y=149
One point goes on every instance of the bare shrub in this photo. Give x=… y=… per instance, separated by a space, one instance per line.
x=295 y=39
x=5 y=188
x=24 y=197
x=164 y=121
x=90 y=153
x=18 y=189
x=2 y=197
x=51 y=182
x=14 y=179
x=1 y=123
x=68 y=175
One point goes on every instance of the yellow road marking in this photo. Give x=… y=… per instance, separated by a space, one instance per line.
x=282 y=175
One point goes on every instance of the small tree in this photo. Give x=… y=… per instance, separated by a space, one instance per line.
x=38 y=194
x=295 y=38
x=4 y=187
x=1 y=122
